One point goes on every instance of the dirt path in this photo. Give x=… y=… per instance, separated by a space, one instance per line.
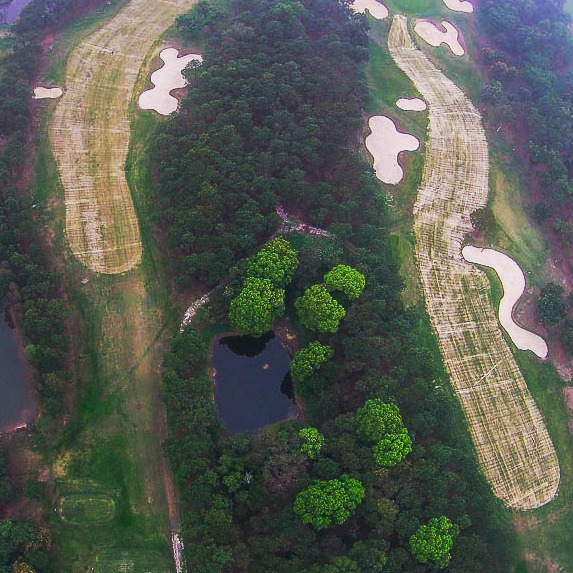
x=512 y=442
x=90 y=134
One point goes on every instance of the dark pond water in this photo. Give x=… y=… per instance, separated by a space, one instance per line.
x=16 y=404
x=9 y=12
x=252 y=384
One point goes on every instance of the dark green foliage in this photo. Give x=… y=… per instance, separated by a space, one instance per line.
x=483 y=220
x=433 y=542
x=317 y=310
x=276 y=261
x=346 y=279
x=256 y=308
x=327 y=503
x=308 y=360
x=550 y=308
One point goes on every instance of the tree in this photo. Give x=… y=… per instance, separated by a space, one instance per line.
x=483 y=220
x=375 y=420
x=327 y=503
x=276 y=261
x=432 y=542
x=550 y=308
x=308 y=360
x=312 y=443
x=346 y=279
x=257 y=306
x=392 y=449
x=317 y=309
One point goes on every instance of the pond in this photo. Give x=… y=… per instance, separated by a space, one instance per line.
x=9 y=12
x=16 y=403
x=252 y=382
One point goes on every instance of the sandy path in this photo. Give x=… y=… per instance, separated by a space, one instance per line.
x=513 y=282
x=90 y=134
x=511 y=440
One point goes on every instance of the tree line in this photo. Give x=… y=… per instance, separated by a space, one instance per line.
x=381 y=474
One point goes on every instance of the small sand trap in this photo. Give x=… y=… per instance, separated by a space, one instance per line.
x=165 y=80
x=43 y=93
x=458 y=6
x=376 y=9
x=434 y=36
x=385 y=144
x=513 y=282
x=411 y=104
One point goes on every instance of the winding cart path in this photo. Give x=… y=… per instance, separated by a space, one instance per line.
x=512 y=442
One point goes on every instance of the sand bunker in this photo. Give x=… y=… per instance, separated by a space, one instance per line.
x=385 y=144
x=513 y=282
x=434 y=36
x=458 y=6
x=43 y=93
x=166 y=79
x=411 y=104
x=375 y=9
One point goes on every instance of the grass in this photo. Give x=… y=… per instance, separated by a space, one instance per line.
x=420 y=8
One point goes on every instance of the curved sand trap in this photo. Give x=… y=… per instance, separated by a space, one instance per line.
x=43 y=93
x=375 y=9
x=385 y=143
x=458 y=6
x=166 y=79
x=513 y=282
x=434 y=36
x=411 y=104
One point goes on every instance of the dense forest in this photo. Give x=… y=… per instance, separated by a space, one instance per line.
x=381 y=475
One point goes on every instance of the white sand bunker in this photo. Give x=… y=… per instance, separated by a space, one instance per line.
x=376 y=9
x=513 y=282
x=411 y=104
x=434 y=36
x=43 y=93
x=458 y=6
x=385 y=144
x=165 y=80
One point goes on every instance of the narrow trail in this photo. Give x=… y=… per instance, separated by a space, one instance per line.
x=90 y=134
x=512 y=442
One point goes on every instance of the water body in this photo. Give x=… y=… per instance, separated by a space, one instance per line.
x=16 y=403
x=252 y=382
x=9 y=12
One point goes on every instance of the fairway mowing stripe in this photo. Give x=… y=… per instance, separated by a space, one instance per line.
x=513 y=446
x=90 y=134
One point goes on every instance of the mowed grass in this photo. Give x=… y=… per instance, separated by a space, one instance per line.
x=114 y=440
x=421 y=8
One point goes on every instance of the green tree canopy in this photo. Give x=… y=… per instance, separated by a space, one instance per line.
x=550 y=308
x=392 y=449
x=346 y=279
x=483 y=219
x=375 y=420
x=327 y=503
x=309 y=359
x=432 y=542
x=317 y=309
x=257 y=306
x=276 y=261
x=312 y=442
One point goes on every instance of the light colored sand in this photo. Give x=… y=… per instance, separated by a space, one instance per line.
x=513 y=282
x=435 y=37
x=385 y=143
x=459 y=6
x=512 y=443
x=376 y=9
x=90 y=134
x=166 y=79
x=411 y=104
x=43 y=93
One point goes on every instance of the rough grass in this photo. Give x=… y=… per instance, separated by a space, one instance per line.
x=512 y=442
x=90 y=134
x=88 y=509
